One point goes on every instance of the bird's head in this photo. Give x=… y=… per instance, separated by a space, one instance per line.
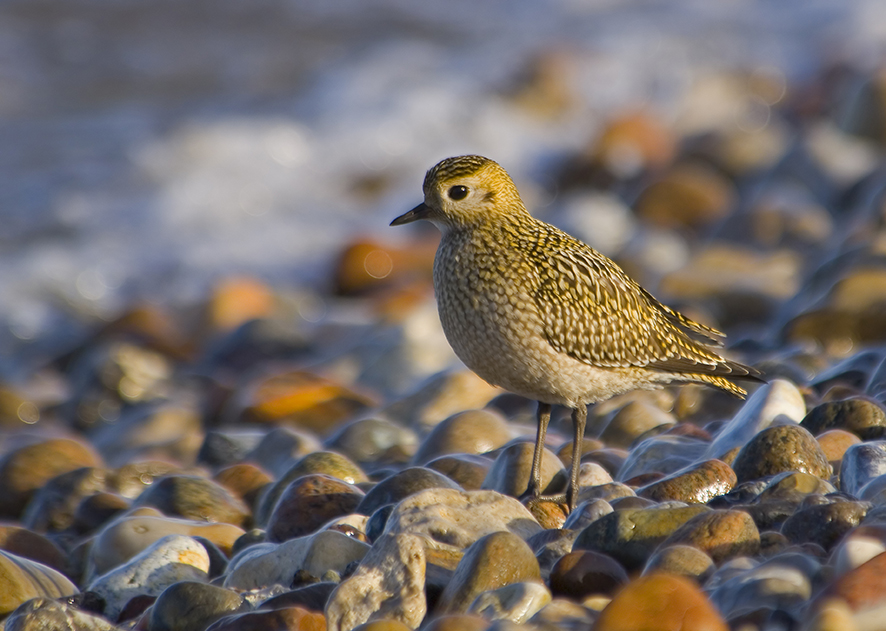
x=466 y=191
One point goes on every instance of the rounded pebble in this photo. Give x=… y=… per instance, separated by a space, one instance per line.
x=468 y=432
x=778 y=449
x=309 y=502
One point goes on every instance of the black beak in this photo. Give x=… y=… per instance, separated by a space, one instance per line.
x=419 y=212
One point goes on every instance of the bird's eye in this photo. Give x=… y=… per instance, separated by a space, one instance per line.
x=458 y=192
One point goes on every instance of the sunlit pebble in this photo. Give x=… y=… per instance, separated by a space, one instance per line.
x=28 y=413
x=378 y=264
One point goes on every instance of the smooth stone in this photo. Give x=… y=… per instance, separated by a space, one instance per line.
x=874 y=491
x=95 y=511
x=778 y=401
x=610 y=458
x=633 y=420
x=169 y=430
x=34 y=546
x=661 y=454
x=311 y=597
x=22 y=579
x=439 y=397
x=721 y=534
x=25 y=470
x=824 y=524
x=784 y=581
x=663 y=602
x=466 y=470
x=550 y=545
x=402 y=485
x=39 y=614
x=308 y=502
x=684 y=560
x=197 y=498
x=861 y=464
x=245 y=480
x=834 y=443
x=593 y=474
x=266 y=564
x=862 y=588
x=323 y=462
x=455 y=519
x=123 y=539
x=769 y=514
x=371 y=441
x=468 y=432
x=172 y=559
x=864 y=418
x=454 y=622
x=607 y=492
x=279 y=446
x=51 y=509
x=301 y=399
x=630 y=536
x=778 y=449
x=586 y=513
x=282 y=619
x=695 y=484
x=510 y=471
x=793 y=485
x=188 y=605
x=493 y=561
x=859 y=546
x=516 y=602
x=564 y=453
x=223 y=447
x=582 y=573
x=132 y=479
x=562 y=613
x=686 y=196
x=388 y=583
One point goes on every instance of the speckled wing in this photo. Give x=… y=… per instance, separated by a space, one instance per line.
x=594 y=312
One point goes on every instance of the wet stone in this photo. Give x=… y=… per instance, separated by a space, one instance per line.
x=608 y=492
x=22 y=579
x=285 y=618
x=279 y=446
x=584 y=572
x=193 y=497
x=188 y=605
x=694 y=484
x=491 y=562
x=792 y=485
x=372 y=441
x=661 y=454
x=25 y=470
x=631 y=536
x=860 y=545
x=34 y=546
x=834 y=443
x=468 y=432
x=660 y=601
x=509 y=473
x=132 y=479
x=221 y=448
x=516 y=602
x=633 y=420
x=865 y=418
x=550 y=545
x=721 y=534
x=311 y=597
x=44 y=613
x=778 y=401
x=327 y=463
x=309 y=502
x=862 y=463
x=824 y=524
x=611 y=459
x=466 y=470
x=400 y=486
x=587 y=512
x=684 y=560
x=778 y=449
x=246 y=480
x=52 y=508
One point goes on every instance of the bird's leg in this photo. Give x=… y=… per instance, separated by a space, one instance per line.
x=579 y=420
x=544 y=417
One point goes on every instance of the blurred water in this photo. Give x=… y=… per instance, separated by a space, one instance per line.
x=149 y=147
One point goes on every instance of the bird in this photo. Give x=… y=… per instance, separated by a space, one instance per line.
x=533 y=310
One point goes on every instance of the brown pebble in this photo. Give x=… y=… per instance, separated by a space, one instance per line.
x=468 y=432
x=834 y=444
x=245 y=480
x=778 y=449
x=660 y=601
x=697 y=484
x=309 y=502
x=584 y=572
x=284 y=619
x=722 y=534
x=238 y=299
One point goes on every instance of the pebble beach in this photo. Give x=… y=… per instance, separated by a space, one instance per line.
x=226 y=401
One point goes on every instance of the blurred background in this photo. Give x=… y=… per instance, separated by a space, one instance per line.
x=149 y=149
